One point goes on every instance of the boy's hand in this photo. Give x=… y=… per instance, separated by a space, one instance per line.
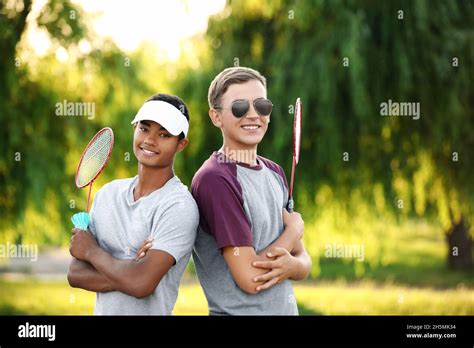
x=294 y=222
x=81 y=243
x=281 y=267
x=144 y=247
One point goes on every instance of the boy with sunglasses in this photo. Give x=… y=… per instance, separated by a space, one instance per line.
x=248 y=246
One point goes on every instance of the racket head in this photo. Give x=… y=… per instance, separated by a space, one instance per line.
x=94 y=157
x=297 y=129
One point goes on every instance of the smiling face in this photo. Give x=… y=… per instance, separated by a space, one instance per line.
x=245 y=132
x=154 y=146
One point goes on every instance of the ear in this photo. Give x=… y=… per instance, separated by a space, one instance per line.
x=215 y=117
x=182 y=144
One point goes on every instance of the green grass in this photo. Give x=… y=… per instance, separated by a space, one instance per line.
x=411 y=254
x=403 y=273
x=31 y=297
x=369 y=299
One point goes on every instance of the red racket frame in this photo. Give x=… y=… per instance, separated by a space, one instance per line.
x=298 y=106
x=102 y=168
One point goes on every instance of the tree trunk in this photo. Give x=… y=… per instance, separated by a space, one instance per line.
x=460 y=246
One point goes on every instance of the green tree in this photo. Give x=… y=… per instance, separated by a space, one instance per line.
x=345 y=58
x=28 y=138
x=40 y=150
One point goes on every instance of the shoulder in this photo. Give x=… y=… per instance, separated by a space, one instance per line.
x=215 y=171
x=118 y=183
x=275 y=169
x=178 y=194
x=272 y=165
x=176 y=208
x=114 y=186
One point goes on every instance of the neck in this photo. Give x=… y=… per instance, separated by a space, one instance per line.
x=151 y=179
x=240 y=154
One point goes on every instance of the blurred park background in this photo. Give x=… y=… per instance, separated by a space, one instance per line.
x=399 y=188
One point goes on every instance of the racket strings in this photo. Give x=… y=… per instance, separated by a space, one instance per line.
x=94 y=158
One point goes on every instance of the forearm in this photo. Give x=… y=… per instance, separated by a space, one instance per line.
x=287 y=240
x=82 y=274
x=304 y=266
x=124 y=275
x=240 y=263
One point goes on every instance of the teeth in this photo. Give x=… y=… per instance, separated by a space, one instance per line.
x=250 y=127
x=148 y=152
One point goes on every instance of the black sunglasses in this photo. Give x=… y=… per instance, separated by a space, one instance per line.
x=241 y=106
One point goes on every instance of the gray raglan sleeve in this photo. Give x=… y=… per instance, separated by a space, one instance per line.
x=93 y=214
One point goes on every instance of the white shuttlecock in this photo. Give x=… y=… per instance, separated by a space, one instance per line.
x=81 y=220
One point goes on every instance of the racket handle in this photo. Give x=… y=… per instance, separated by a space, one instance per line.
x=291 y=205
x=89 y=196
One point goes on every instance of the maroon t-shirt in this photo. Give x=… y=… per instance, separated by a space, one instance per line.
x=218 y=188
x=239 y=205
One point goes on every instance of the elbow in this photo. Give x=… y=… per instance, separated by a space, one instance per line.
x=141 y=291
x=72 y=279
x=141 y=294
x=251 y=291
x=248 y=287
x=306 y=270
x=303 y=276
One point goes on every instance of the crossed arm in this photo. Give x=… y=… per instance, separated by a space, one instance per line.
x=82 y=274
x=94 y=269
x=284 y=258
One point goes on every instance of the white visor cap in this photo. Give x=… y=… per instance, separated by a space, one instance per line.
x=165 y=114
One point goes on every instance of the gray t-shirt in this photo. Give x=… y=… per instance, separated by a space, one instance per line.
x=239 y=205
x=120 y=225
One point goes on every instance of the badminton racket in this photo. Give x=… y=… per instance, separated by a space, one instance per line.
x=92 y=162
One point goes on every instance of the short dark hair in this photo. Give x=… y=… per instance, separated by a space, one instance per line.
x=177 y=102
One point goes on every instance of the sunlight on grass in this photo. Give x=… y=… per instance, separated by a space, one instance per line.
x=411 y=254
x=44 y=298
x=191 y=300
x=332 y=298
x=369 y=299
